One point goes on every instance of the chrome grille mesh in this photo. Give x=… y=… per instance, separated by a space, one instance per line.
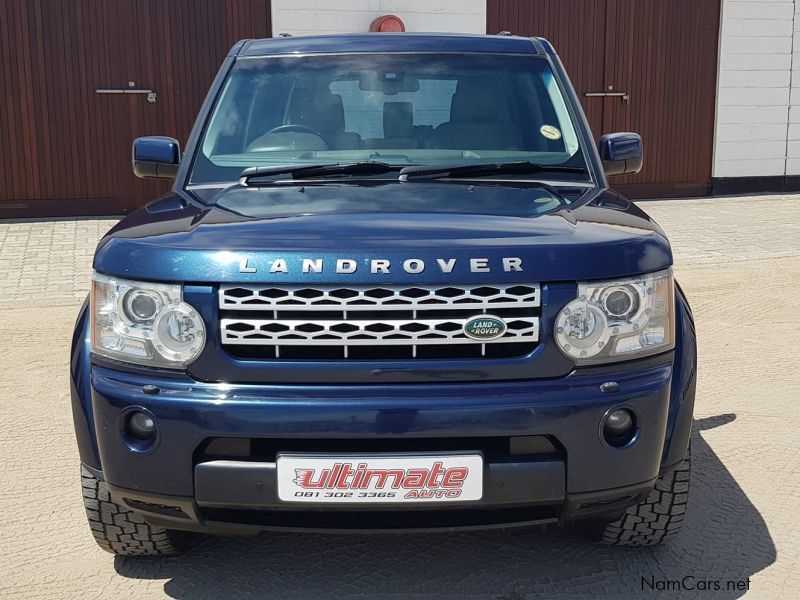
x=351 y=316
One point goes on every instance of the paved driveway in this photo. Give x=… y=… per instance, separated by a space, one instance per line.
x=739 y=261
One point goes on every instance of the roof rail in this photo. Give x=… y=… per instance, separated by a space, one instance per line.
x=504 y=33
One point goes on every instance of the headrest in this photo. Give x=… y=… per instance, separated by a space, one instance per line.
x=476 y=100
x=318 y=109
x=398 y=120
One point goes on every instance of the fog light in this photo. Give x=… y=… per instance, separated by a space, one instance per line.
x=619 y=427
x=140 y=426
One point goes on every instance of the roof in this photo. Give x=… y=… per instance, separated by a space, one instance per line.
x=393 y=42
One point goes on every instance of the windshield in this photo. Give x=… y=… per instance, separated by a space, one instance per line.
x=400 y=109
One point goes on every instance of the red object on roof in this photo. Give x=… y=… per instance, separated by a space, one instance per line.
x=388 y=24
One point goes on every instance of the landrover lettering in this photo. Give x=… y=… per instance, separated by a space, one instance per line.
x=379 y=266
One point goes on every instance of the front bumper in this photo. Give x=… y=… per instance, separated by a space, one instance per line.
x=175 y=484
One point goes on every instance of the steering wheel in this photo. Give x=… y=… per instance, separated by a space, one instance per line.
x=294 y=128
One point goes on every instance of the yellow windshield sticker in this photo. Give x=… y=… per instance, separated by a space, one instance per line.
x=550 y=132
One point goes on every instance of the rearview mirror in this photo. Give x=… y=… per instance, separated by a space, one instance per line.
x=622 y=153
x=156 y=156
x=389 y=83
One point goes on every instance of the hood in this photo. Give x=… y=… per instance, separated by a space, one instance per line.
x=418 y=232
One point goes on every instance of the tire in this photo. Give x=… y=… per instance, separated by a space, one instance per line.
x=120 y=530
x=659 y=517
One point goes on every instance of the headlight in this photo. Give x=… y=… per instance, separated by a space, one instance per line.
x=144 y=323
x=618 y=320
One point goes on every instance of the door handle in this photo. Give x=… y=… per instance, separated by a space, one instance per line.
x=624 y=95
x=151 y=95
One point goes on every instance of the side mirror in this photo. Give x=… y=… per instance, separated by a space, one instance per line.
x=622 y=153
x=156 y=156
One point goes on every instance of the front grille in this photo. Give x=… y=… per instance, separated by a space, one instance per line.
x=375 y=322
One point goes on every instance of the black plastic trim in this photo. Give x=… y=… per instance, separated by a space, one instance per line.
x=755 y=185
x=604 y=505
x=247 y=485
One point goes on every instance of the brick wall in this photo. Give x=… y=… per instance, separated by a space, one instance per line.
x=299 y=17
x=758 y=101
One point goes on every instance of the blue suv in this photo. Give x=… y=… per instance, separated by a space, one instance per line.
x=390 y=289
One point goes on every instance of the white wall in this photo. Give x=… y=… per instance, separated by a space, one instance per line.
x=758 y=101
x=299 y=17
x=793 y=136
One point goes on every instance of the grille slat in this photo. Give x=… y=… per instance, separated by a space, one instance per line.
x=409 y=298
x=314 y=320
x=259 y=331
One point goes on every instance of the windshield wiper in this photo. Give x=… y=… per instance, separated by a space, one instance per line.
x=251 y=175
x=483 y=170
